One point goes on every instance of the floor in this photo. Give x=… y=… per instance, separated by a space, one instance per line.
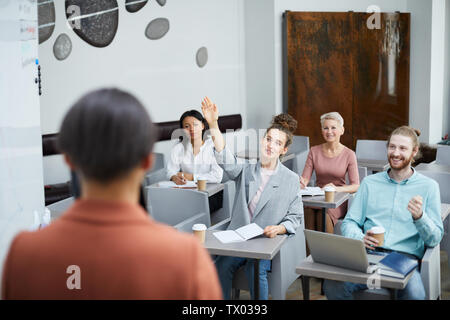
x=295 y=290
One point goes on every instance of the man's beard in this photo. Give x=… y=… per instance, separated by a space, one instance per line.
x=402 y=165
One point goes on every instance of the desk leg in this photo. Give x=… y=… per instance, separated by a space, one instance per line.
x=324 y=219
x=256 y=280
x=324 y=229
x=305 y=287
x=393 y=294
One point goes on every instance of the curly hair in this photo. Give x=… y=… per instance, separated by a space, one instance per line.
x=285 y=123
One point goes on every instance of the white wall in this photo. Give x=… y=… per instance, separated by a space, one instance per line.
x=163 y=73
x=420 y=66
x=437 y=71
x=446 y=100
x=260 y=62
x=21 y=178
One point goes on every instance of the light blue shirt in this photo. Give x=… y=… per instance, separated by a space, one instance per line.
x=381 y=201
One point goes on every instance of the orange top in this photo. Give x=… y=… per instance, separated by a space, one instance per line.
x=121 y=254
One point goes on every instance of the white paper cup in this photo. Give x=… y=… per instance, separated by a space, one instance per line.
x=199 y=231
x=378 y=233
x=329 y=194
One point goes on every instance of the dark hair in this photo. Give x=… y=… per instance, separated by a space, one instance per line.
x=285 y=123
x=107 y=133
x=197 y=115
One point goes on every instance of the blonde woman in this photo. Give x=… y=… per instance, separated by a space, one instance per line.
x=331 y=161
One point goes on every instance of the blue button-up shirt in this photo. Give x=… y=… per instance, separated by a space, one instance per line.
x=381 y=201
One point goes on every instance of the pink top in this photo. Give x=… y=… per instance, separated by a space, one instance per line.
x=265 y=176
x=332 y=170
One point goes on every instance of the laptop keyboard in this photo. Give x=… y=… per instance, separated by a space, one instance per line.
x=374 y=258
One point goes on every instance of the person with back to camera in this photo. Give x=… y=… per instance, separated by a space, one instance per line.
x=119 y=251
x=331 y=161
x=267 y=193
x=193 y=158
x=405 y=203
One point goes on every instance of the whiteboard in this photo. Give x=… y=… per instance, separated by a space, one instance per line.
x=21 y=177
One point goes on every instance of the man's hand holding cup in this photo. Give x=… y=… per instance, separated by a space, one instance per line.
x=374 y=237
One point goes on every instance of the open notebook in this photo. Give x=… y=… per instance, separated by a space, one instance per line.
x=244 y=233
x=171 y=184
x=312 y=191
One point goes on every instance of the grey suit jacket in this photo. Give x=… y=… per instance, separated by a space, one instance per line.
x=280 y=201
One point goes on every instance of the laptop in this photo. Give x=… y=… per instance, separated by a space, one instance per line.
x=346 y=253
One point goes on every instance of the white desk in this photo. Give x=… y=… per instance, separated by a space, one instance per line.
x=319 y=201
x=308 y=268
x=257 y=248
x=211 y=188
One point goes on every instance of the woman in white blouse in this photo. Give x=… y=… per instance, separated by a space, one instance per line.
x=193 y=158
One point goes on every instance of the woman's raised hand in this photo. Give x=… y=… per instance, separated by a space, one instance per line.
x=209 y=110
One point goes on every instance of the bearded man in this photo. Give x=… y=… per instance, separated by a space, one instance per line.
x=402 y=201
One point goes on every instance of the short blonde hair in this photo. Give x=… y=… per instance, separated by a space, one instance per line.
x=332 y=116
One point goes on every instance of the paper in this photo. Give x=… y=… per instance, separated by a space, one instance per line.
x=312 y=191
x=242 y=234
x=171 y=184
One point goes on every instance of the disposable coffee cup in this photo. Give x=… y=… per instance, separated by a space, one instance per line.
x=329 y=194
x=378 y=233
x=199 y=231
x=201 y=185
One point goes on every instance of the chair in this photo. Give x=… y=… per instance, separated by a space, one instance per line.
x=282 y=274
x=371 y=149
x=154 y=177
x=58 y=208
x=430 y=273
x=229 y=193
x=180 y=208
x=299 y=147
x=159 y=161
x=362 y=172
x=158 y=171
x=443 y=155
x=443 y=179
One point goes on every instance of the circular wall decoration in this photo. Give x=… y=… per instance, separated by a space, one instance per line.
x=95 y=22
x=202 y=57
x=62 y=47
x=161 y=2
x=46 y=19
x=135 y=5
x=157 y=28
